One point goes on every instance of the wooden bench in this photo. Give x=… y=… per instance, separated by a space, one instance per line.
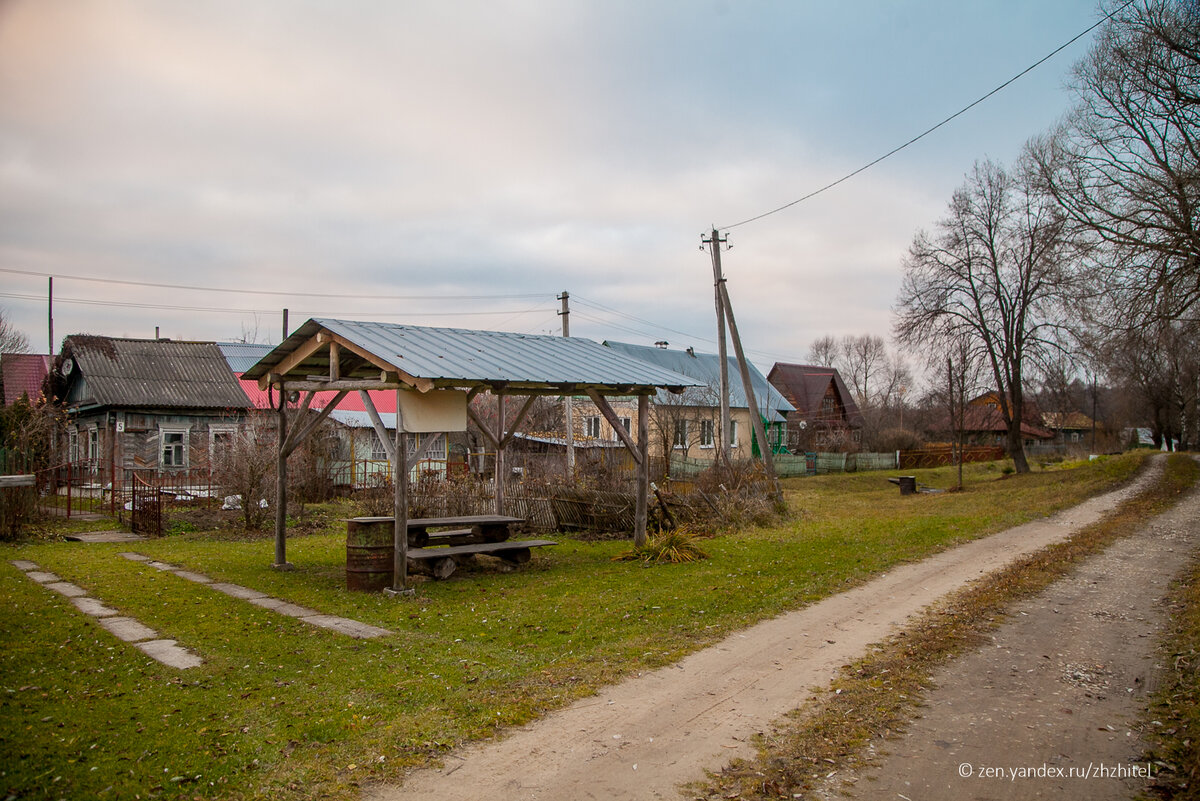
x=441 y=562
x=436 y=552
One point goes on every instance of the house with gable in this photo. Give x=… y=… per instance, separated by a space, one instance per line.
x=826 y=416
x=146 y=403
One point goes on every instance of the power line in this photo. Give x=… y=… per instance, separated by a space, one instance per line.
x=276 y=292
x=930 y=130
x=173 y=307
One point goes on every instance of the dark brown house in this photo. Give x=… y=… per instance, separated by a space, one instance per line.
x=146 y=403
x=826 y=415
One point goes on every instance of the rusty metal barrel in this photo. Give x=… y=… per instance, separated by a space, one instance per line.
x=908 y=485
x=369 y=550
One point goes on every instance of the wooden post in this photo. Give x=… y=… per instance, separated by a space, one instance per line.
x=718 y=281
x=280 y=486
x=400 y=506
x=500 y=454
x=755 y=417
x=643 y=472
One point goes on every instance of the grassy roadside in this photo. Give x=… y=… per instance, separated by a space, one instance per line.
x=282 y=710
x=875 y=696
x=1174 y=732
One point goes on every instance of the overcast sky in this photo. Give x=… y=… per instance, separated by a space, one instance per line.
x=462 y=163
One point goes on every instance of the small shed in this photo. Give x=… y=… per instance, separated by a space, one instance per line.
x=434 y=373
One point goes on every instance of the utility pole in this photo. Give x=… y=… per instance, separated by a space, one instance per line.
x=50 y=314
x=715 y=241
x=565 y=297
x=285 y=324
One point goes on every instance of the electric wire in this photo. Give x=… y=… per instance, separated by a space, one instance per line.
x=930 y=130
x=276 y=292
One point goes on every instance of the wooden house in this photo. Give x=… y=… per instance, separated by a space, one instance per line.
x=146 y=403
x=826 y=416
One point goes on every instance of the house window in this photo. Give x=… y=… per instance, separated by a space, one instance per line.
x=378 y=449
x=93 y=444
x=593 y=427
x=625 y=422
x=681 y=434
x=174 y=447
x=72 y=444
x=706 y=433
x=733 y=433
x=220 y=441
x=828 y=408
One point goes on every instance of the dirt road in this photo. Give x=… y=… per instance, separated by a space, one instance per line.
x=1051 y=707
x=644 y=737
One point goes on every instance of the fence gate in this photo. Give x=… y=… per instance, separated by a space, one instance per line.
x=146 y=513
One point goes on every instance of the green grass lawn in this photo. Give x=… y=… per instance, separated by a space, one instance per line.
x=283 y=709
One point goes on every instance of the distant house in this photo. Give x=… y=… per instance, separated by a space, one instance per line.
x=983 y=423
x=1069 y=427
x=146 y=403
x=686 y=424
x=826 y=416
x=24 y=375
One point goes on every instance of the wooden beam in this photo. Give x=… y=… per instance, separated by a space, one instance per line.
x=641 y=506
x=614 y=421
x=348 y=384
x=400 y=505
x=487 y=435
x=521 y=415
x=292 y=360
x=297 y=437
x=422 y=384
x=377 y=424
x=335 y=361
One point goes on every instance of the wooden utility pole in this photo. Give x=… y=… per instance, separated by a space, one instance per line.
x=565 y=297
x=756 y=419
x=285 y=324
x=50 y=314
x=715 y=241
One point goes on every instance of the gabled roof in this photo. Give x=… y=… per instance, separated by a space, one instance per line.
x=453 y=357
x=805 y=386
x=148 y=373
x=24 y=374
x=705 y=368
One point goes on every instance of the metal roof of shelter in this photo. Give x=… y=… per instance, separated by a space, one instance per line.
x=450 y=357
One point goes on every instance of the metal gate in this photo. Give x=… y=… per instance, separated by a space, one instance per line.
x=146 y=512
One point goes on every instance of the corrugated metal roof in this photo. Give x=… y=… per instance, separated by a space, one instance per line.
x=152 y=373
x=242 y=355
x=24 y=374
x=705 y=368
x=460 y=357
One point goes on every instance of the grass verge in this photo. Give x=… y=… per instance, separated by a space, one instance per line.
x=874 y=697
x=1174 y=733
x=284 y=711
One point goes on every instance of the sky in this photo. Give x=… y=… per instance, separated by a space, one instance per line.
x=462 y=163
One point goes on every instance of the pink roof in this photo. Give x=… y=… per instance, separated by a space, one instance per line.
x=384 y=400
x=24 y=374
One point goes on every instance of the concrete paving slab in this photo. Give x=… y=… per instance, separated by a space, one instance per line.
x=344 y=625
x=90 y=606
x=67 y=588
x=135 y=557
x=283 y=607
x=170 y=654
x=43 y=577
x=161 y=566
x=199 y=578
x=24 y=564
x=104 y=536
x=127 y=629
x=237 y=591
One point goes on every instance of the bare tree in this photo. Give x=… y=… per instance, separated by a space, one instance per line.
x=12 y=340
x=861 y=359
x=1124 y=166
x=823 y=352
x=994 y=274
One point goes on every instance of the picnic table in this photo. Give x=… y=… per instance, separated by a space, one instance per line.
x=436 y=546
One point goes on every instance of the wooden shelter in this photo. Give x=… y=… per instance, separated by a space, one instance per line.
x=435 y=372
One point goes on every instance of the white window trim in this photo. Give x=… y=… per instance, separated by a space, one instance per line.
x=733 y=433
x=213 y=432
x=592 y=424
x=163 y=431
x=711 y=427
x=681 y=426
